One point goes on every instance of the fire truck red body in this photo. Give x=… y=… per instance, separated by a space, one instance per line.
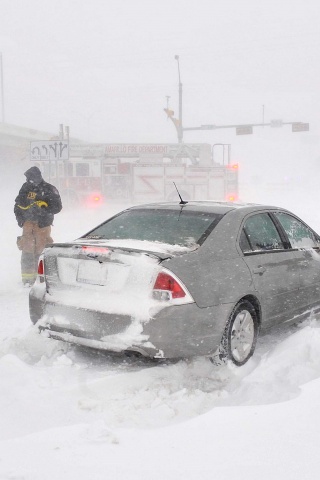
x=139 y=173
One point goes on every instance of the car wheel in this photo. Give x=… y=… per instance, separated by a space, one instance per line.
x=240 y=336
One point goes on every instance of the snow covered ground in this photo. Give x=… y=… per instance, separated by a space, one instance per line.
x=66 y=413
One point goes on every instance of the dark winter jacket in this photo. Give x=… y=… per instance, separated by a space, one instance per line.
x=37 y=201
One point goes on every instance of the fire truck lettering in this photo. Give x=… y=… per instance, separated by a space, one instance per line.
x=132 y=149
x=115 y=149
x=152 y=149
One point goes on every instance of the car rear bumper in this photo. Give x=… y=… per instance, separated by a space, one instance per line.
x=180 y=331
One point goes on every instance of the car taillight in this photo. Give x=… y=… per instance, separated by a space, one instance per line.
x=168 y=287
x=41 y=270
x=166 y=283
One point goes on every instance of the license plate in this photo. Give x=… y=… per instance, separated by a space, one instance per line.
x=92 y=272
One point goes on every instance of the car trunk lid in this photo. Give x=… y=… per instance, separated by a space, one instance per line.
x=104 y=276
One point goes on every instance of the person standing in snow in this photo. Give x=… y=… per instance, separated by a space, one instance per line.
x=35 y=207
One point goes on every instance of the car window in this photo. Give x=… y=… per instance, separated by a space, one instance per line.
x=174 y=227
x=244 y=242
x=300 y=236
x=260 y=233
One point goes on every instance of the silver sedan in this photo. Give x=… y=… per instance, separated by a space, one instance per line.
x=171 y=280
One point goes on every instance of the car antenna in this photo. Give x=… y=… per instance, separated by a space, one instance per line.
x=182 y=202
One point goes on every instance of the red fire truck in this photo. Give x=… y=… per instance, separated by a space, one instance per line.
x=139 y=173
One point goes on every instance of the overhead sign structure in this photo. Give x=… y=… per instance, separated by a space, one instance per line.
x=49 y=150
x=276 y=123
x=248 y=129
x=244 y=130
x=300 y=127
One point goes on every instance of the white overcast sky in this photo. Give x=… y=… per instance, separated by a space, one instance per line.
x=105 y=67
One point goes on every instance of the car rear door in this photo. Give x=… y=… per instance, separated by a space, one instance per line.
x=306 y=244
x=273 y=266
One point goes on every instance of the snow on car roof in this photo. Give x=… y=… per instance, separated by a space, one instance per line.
x=207 y=206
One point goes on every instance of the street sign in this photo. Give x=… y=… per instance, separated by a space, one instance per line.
x=244 y=130
x=49 y=150
x=300 y=127
x=276 y=123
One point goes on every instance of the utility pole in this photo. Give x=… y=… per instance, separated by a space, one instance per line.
x=66 y=163
x=179 y=126
x=2 y=88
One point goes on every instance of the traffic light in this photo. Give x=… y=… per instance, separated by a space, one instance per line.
x=169 y=112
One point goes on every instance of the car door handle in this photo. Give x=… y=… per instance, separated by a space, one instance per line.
x=259 y=270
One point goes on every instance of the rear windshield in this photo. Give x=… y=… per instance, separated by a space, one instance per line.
x=174 y=227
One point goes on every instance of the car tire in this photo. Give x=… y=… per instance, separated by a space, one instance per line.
x=240 y=336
